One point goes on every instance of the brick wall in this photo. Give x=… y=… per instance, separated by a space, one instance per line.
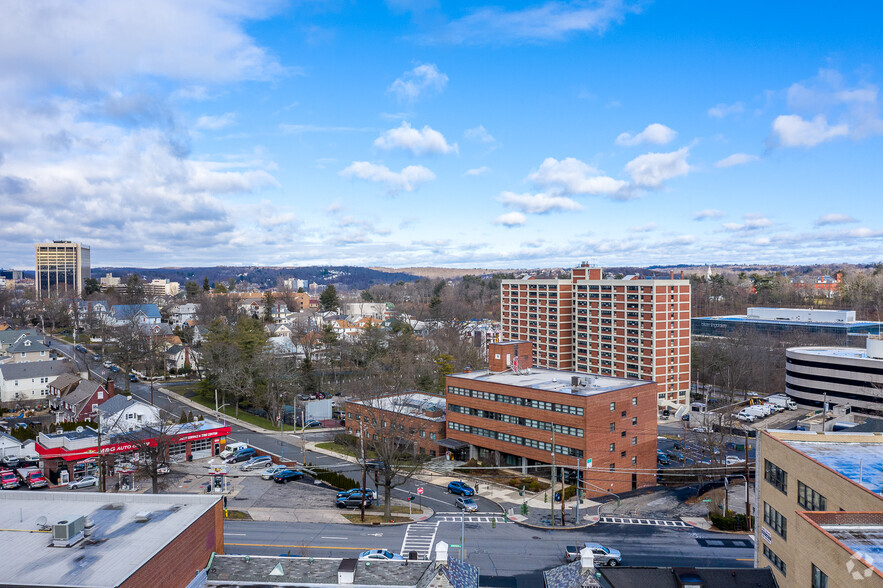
x=369 y=415
x=176 y=565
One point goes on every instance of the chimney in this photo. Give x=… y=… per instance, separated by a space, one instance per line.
x=586 y=558
x=109 y=388
x=346 y=572
x=682 y=274
x=671 y=274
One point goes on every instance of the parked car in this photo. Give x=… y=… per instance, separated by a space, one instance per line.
x=733 y=460
x=95 y=357
x=8 y=480
x=461 y=488
x=133 y=378
x=11 y=461
x=312 y=425
x=466 y=504
x=675 y=455
x=379 y=555
x=84 y=482
x=107 y=363
x=271 y=471
x=232 y=448
x=162 y=469
x=114 y=369
x=352 y=502
x=661 y=458
x=244 y=454
x=80 y=348
x=259 y=461
x=357 y=492
x=286 y=476
x=374 y=464
x=600 y=554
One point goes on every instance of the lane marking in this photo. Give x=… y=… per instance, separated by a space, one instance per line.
x=235 y=534
x=296 y=546
x=344 y=538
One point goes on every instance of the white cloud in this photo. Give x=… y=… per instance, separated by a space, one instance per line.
x=538 y=203
x=656 y=134
x=834 y=219
x=708 y=214
x=862 y=233
x=723 y=110
x=478 y=171
x=510 y=219
x=652 y=169
x=418 y=142
x=737 y=159
x=422 y=79
x=793 y=131
x=752 y=222
x=572 y=176
x=213 y=123
x=551 y=21
x=479 y=134
x=408 y=179
x=93 y=41
x=644 y=228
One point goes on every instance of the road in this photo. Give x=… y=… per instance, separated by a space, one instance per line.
x=507 y=550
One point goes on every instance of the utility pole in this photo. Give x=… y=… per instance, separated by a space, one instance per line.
x=303 y=437
x=747 y=484
x=463 y=531
x=562 y=496
x=552 y=512
x=281 y=427
x=579 y=482
x=364 y=475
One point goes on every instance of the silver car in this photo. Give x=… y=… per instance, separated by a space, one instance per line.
x=466 y=504
x=254 y=463
x=268 y=473
x=604 y=556
x=84 y=482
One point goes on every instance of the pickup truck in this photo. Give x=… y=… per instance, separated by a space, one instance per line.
x=32 y=477
x=8 y=480
x=603 y=556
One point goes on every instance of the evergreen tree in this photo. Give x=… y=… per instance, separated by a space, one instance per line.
x=329 y=300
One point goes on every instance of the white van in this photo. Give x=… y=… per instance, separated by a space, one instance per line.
x=232 y=448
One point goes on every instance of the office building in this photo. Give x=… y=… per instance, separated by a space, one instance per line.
x=838 y=375
x=513 y=414
x=809 y=325
x=819 y=508
x=108 y=540
x=624 y=328
x=62 y=267
x=417 y=419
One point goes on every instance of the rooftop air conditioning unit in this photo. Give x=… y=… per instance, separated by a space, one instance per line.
x=68 y=532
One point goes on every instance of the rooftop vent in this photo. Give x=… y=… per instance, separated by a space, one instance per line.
x=143 y=516
x=68 y=532
x=346 y=572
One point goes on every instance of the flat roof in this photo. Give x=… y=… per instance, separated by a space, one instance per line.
x=554 y=381
x=117 y=547
x=737 y=318
x=865 y=540
x=844 y=352
x=860 y=462
x=230 y=570
x=413 y=404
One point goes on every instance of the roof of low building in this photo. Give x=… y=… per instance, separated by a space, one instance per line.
x=640 y=577
x=553 y=380
x=30 y=344
x=118 y=546
x=412 y=404
x=83 y=392
x=10 y=336
x=127 y=311
x=35 y=369
x=116 y=403
x=65 y=381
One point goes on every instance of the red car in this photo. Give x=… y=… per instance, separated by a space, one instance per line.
x=8 y=479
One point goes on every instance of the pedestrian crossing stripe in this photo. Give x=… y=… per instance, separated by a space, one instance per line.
x=639 y=521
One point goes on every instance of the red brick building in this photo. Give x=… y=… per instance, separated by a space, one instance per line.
x=508 y=413
x=417 y=418
x=628 y=328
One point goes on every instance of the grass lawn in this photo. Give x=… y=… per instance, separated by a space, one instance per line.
x=238 y=515
x=230 y=411
x=373 y=518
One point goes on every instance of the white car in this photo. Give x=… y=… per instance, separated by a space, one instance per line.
x=733 y=460
x=84 y=482
x=268 y=473
x=162 y=469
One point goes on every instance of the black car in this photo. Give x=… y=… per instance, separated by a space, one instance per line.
x=244 y=454
x=374 y=464
x=286 y=476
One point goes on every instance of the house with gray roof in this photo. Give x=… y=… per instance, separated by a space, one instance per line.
x=121 y=414
x=141 y=314
x=81 y=402
x=22 y=383
x=29 y=349
x=10 y=336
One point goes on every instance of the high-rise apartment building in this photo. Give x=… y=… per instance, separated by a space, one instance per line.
x=61 y=267
x=626 y=328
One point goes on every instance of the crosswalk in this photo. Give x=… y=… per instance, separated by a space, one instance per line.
x=420 y=537
x=456 y=517
x=637 y=521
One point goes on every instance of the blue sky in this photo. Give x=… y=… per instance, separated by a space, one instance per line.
x=421 y=133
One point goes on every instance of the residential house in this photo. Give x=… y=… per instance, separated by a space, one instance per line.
x=91 y=313
x=81 y=402
x=275 y=330
x=181 y=357
x=9 y=445
x=280 y=313
x=29 y=382
x=62 y=385
x=183 y=313
x=377 y=310
x=344 y=329
x=251 y=307
x=121 y=414
x=29 y=349
x=282 y=345
x=367 y=322
x=10 y=336
x=141 y=314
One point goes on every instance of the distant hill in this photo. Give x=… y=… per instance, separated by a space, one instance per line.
x=346 y=277
x=446 y=273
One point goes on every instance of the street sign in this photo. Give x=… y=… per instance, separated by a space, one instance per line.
x=419 y=490
x=706 y=500
x=588 y=462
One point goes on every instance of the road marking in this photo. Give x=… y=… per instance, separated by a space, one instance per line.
x=646 y=522
x=344 y=538
x=419 y=537
x=237 y=534
x=296 y=546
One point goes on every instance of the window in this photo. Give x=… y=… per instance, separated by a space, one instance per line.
x=432 y=436
x=809 y=498
x=634 y=401
x=634 y=460
x=612 y=406
x=612 y=427
x=819 y=578
x=634 y=420
x=775 y=520
x=612 y=447
x=613 y=467
x=774 y=559
x=775 y=476
x=634 y=440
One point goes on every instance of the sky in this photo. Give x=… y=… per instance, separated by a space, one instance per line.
x=451 y=134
